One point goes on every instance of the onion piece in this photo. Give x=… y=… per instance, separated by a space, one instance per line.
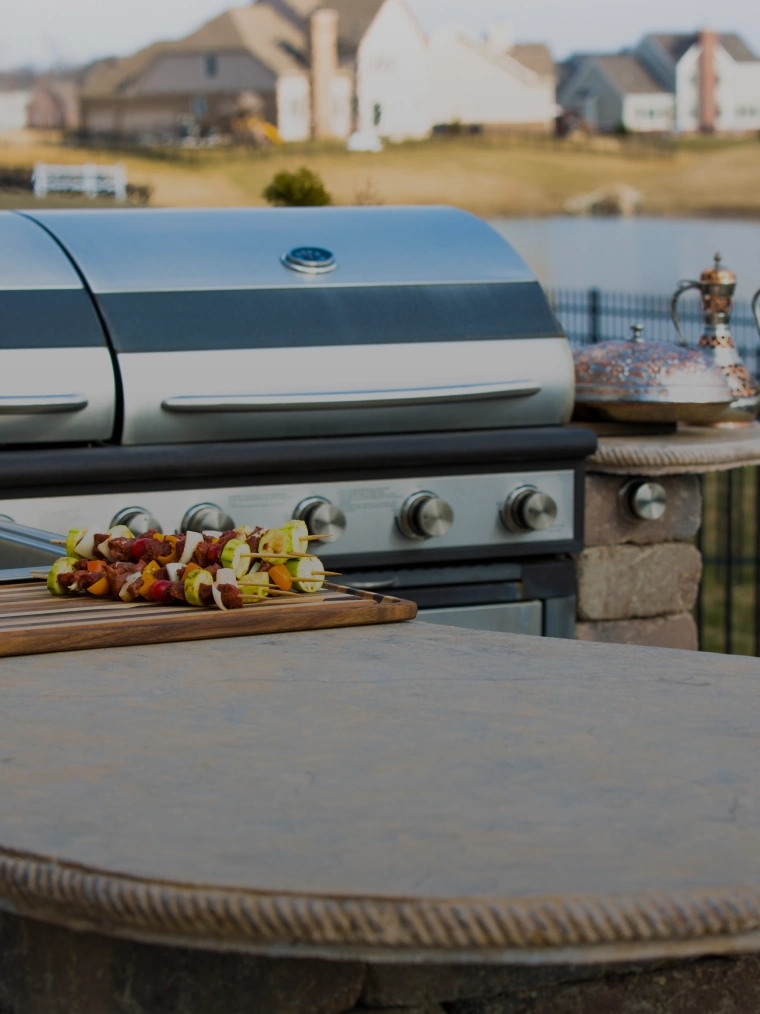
x=193 y=540
x=218 y=598
x=173 y=569
x=226 y=576
x=86 y=545
x=124 y=590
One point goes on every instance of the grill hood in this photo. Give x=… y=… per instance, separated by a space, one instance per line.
x=56 y=377
x=381 y=320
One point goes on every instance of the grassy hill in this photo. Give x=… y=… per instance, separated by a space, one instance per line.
x=490 y=176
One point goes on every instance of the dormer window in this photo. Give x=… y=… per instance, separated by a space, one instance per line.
x=212 y=65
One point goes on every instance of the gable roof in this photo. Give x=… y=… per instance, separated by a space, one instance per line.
x=675 y=46
x=536 y=57
x=354 y=16
x=257 y=29
x=627 y=74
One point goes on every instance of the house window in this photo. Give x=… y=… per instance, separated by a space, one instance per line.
x=377 y=114
x=212 y=65
x=200 y=106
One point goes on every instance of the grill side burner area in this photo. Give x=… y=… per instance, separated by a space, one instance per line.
x=393 y=376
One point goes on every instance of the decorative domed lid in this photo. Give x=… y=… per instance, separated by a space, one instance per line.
x=635 y=371
x=718 y=275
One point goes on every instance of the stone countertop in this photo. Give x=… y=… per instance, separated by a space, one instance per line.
x=404 y=792
x=693 y=450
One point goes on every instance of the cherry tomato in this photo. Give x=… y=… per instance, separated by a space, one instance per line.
x=138 y=548
x=159 y=591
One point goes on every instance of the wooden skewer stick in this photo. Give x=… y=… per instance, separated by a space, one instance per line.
x=57 y=542
x=313 y=538
x=276 y=556
x=321 y=573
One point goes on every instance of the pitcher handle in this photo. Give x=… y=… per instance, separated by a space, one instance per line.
x=683 y=287
x=756 y=308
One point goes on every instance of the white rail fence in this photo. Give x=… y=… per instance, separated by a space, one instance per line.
x=91 y=180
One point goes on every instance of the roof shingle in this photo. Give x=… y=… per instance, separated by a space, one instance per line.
x=628 y=75
x=536 y=57
x=677 y=45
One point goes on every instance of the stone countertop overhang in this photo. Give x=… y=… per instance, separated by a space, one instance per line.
x=406 y=793
x=692 y=450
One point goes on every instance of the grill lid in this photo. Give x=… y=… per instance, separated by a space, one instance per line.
x=245 y=324
x=56 y=378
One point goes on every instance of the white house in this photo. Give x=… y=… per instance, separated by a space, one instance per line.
x=685 y=83
x=393 y=75
x=617 y=92
x=715 y=79
x=491 y=83
x=15 y=95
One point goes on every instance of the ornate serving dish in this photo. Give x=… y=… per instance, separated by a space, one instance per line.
x=649 y=382
x=717 y=286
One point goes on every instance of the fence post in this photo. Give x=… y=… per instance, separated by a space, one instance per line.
x=593 y=315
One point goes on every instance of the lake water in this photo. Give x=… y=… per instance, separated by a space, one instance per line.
x=638 y=255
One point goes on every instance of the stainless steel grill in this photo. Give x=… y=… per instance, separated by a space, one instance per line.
x=395 y=374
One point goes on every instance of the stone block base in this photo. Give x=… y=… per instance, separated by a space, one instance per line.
x=662 y=632
x=47 y=970
x=624 y=582
x=607 y=526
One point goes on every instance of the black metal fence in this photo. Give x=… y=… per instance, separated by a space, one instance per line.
x=728 y=610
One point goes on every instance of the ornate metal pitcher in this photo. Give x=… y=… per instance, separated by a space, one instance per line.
x=717 y=286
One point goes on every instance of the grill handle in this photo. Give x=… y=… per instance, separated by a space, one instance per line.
x=349 y=399
x=41 y=404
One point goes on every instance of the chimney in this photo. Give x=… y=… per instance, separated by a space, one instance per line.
x=324 y=68
x=708 y=106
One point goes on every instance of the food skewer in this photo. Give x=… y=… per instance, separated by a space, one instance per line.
x=57 y=542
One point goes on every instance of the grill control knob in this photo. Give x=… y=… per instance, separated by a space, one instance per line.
x=137 y=519
x=322 y=518
x=643 y=501
x=425 y=516
x=528 y=510
x=206 y=517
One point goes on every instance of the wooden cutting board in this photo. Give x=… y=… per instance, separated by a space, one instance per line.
x=33 y=622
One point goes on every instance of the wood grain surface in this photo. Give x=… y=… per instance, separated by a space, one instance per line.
x=407 y=789
x=33 y=622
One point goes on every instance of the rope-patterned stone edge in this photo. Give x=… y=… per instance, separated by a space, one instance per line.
x=675 y=457
x=68 y=895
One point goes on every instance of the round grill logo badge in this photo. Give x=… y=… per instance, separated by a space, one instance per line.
x=310 y=260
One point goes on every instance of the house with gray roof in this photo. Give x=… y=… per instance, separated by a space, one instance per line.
x=292 y=63
x=616 y=92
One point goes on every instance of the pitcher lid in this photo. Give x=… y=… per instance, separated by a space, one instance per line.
x=717 y=274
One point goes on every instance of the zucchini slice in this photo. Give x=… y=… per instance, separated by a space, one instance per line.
x=254 y=586
x=302 y=572
x=275 y=543
x=236 y=556
x=63 y=565
x=193 y=585
x=298 y=536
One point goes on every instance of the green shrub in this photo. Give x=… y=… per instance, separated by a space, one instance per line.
x=302 y=189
